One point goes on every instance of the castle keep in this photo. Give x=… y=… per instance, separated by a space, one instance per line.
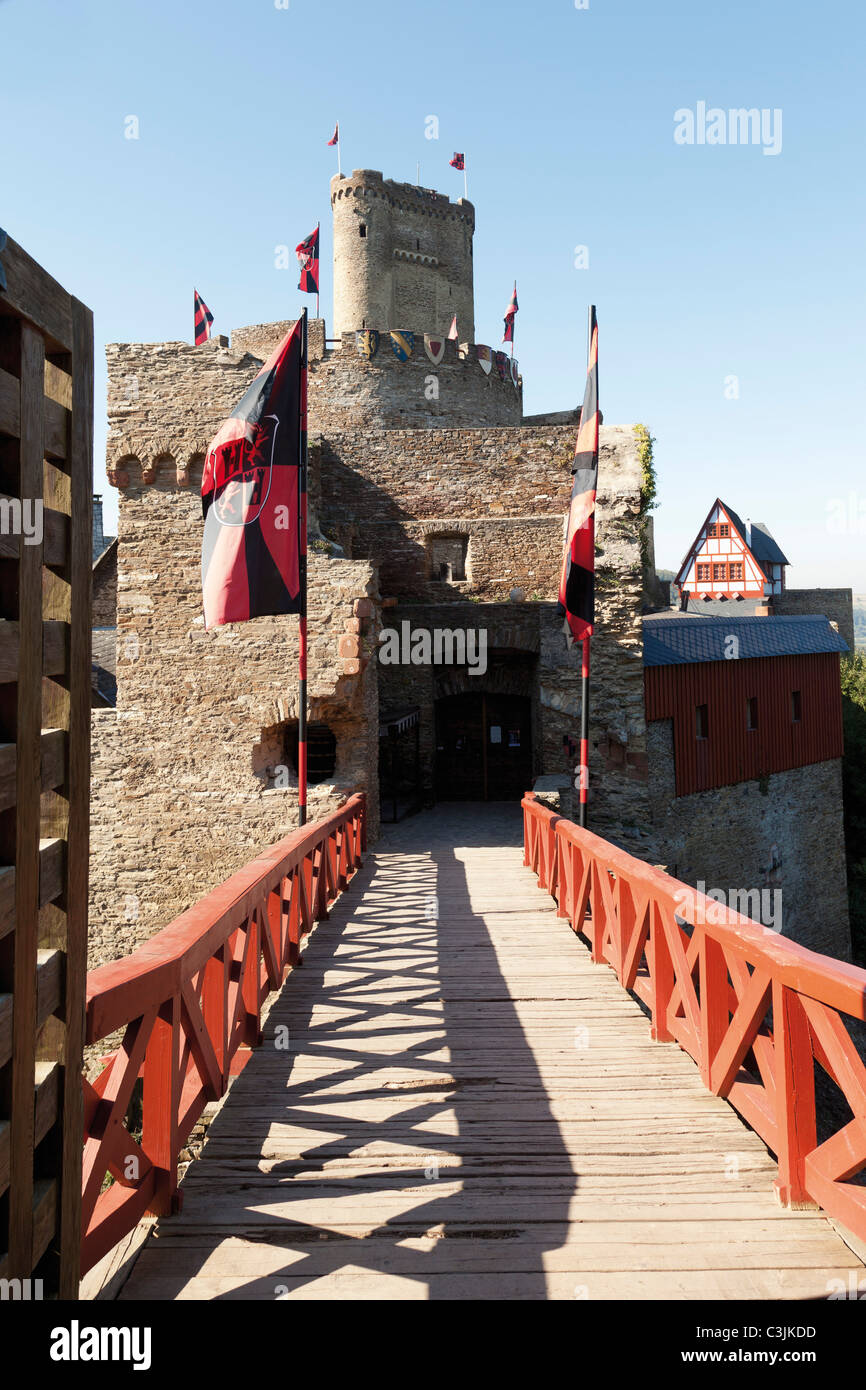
x=402 y=256
x=436 y=506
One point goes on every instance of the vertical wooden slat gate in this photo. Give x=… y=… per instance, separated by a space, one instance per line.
x=46 y=421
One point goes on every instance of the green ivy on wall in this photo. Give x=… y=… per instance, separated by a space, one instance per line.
x=645 y=442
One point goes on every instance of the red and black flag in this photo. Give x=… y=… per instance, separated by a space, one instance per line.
x=335 y=138
x=202 y=319
x=251 y=550
x=577 y=583
x=458 y=162
x=308 y=260
x=509 y=317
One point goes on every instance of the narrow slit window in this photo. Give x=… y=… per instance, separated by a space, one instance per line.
x=702 y=722
x=796 y=707
x=362 y=229
x=752 y=713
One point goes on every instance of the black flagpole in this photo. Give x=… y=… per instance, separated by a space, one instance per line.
x=302 y=578
x=584 y=668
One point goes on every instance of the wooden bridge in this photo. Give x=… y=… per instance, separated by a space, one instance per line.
x=502 y=1073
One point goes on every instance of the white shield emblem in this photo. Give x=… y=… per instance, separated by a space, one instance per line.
x=434 y=348
x=485 y=358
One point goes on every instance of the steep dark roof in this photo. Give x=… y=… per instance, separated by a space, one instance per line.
x=103 y=679
x=763 y=547
x=681 y=639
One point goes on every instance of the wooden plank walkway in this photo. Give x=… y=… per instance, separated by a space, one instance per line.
x=469 y=1108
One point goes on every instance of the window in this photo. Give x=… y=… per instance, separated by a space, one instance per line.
x=796 y=707
x=321 y=752
x=362 y=229
x=724 y=529
x=735 y=570
x=447 y=556
x=752 y=713
x=719 y=574
x=711 y=530
x=702 y=722
x=703 y=574
x=276 y=755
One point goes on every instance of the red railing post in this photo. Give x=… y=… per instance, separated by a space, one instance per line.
x=661 y=969
x=214 y=1007
x=251 y=985
x=715 y=1015
x=161 y=1103
x=564 y=877
x=795 y=1095
x=598 y=912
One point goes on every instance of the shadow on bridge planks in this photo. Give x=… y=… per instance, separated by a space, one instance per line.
x=405 y=1137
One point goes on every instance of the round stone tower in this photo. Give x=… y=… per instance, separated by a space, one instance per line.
x=402 y=257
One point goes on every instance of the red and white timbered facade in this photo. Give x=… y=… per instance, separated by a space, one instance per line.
x=732 y=559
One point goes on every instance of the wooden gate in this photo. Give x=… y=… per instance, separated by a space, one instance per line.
x=46 y=420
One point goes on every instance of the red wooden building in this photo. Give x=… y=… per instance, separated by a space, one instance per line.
x=731 y=559
x=747 y=696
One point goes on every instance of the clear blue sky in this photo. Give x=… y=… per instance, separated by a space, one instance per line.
x=706 y=262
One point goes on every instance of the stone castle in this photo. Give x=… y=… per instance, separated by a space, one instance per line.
x=436 y=505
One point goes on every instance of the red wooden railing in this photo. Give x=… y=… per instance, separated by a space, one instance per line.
x=754 y=1010
x=188 y=1000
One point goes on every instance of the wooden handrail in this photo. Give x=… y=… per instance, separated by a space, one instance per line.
x=754 y=1010
x=189 y=999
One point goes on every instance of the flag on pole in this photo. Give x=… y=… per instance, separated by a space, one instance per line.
x=308 y=259
x=335 y=138
x=509 y=317
x=452 y=331
x=458 y=162
x=577 y=582
x=202 y=319
x=251 y=547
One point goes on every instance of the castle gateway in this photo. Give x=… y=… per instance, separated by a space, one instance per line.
x=435 y=503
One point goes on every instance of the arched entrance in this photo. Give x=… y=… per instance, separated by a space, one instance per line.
x=483 y=746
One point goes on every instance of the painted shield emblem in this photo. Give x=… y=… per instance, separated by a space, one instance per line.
x=434 y=348
x=402 y=343
x=515 y=374
x=367 y=342
x=501 y=360
x=485 y=358
x=239 y=502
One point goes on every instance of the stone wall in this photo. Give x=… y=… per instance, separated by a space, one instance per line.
x=348 y=392
x=835 y=604
x=783 y=832
x=187 y=784
x=387 y=495
x=168 y=399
